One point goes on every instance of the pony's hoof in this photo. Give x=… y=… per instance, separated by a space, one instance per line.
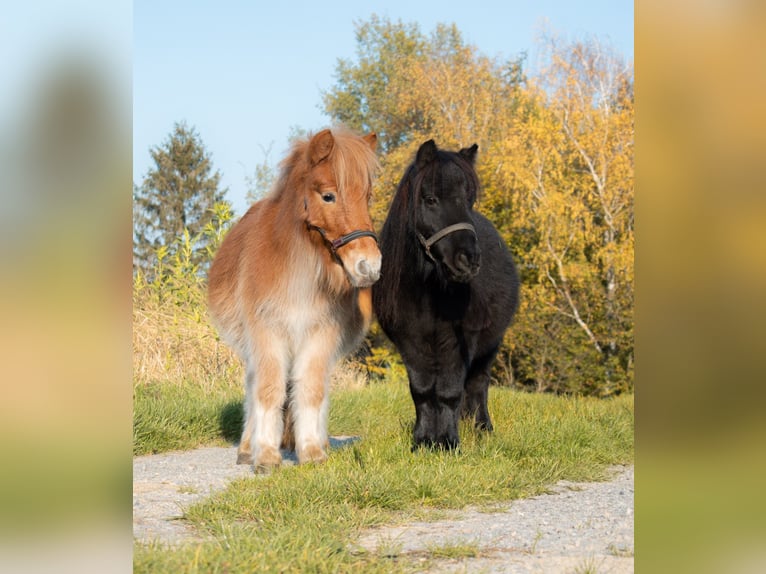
x=268 y=458
x=421 y=441
x=312 y=454
x=441 y=443
x=244 y=458
x=484 y=426
x=264 y=468
x=448 y=443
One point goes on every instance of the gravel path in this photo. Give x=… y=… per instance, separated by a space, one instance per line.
x=165 y=484
x=578 y=527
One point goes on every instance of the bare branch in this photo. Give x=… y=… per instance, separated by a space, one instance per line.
x=564 y=290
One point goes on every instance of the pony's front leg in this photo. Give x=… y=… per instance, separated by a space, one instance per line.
x=269 y=389
x=310 y=394
x=437 y=397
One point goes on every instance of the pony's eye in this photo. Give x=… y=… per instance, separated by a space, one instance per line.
x=328 y=197
x=431 y=200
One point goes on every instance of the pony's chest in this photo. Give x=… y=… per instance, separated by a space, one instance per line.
x=437 y=326
x=437 y=309
x=299 y=313
x=430 y=345
x=297 y=310
x=429 y=332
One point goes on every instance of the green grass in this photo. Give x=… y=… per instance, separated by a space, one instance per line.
x=452 y=551
x=183 y=416
x=305 y=518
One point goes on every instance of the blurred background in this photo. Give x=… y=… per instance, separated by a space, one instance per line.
x=65 y=207
x=700 y=285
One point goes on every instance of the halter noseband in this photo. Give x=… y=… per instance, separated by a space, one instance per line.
x=427 y=243
x=335 y=244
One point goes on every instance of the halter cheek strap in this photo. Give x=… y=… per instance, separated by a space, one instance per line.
x=428 y=243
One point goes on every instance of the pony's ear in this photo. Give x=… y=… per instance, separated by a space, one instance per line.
x=320 y=146
x=372 y=141
x=426 y=154
x=469 y=153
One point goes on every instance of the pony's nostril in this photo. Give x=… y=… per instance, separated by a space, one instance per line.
x=366 y=272
x=466 y=263
x=462 y=262
x=363 y=268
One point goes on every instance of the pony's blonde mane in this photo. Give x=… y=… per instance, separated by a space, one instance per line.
x=353 y=161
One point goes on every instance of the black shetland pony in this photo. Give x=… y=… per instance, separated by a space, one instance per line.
x=447 y=292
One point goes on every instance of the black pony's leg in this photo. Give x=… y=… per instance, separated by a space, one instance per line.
x=437 y=408
x=477 y=391
x=422 y=391
x=425 y=421
x=448 y=398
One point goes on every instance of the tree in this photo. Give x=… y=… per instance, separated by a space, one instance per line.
x=177 y=196
x=264 y=176
x=369 y=92
x=569 y=168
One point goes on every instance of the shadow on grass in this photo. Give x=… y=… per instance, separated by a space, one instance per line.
x=231 y=420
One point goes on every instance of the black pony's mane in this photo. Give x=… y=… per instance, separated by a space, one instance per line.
x=398 y=241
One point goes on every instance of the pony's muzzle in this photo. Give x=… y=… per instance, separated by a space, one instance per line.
x=366 y=271
x=466 y=264
x=362 y=263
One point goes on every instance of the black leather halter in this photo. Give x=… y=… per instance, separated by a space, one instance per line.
x=334 y=244
x=428 y=243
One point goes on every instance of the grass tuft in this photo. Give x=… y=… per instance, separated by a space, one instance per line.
x=454 y=551
x=182 y=416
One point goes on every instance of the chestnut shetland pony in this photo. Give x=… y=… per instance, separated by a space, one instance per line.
x=289 y=290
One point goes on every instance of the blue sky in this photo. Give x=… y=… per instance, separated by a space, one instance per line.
x=244 y=73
